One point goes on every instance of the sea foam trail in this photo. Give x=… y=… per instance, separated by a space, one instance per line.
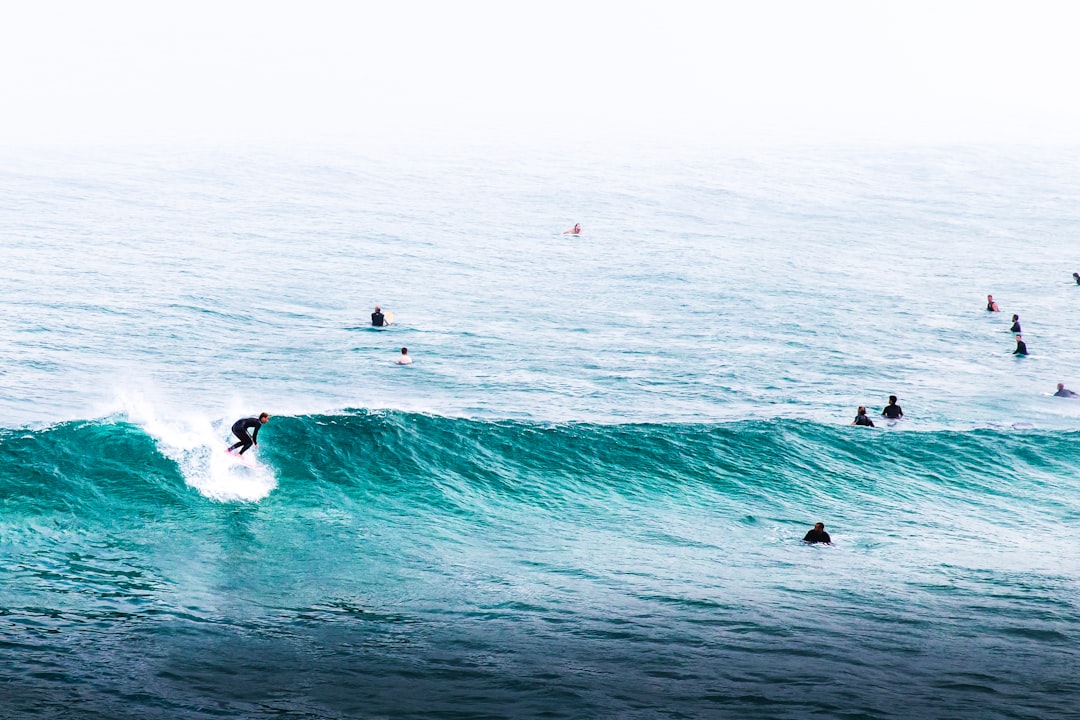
x=197 y=446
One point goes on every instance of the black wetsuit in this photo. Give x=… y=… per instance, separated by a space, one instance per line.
x=240 y=428
x=990 y=306
x=1021 y=348
x=861 y=419
x=1016 y=327
x=378 y=319
x=1065 y=392
x=893 y=412
x=817 y=536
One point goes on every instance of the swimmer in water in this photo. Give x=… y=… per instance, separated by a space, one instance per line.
x=404 y=359
x=1076 y=277
x=1016 y=324
x=1021 y=347
x=892 y=410
x=377 y=318
x=240 y=430
x=576 y=230
x=861 y=419
x=991 y=306
x=1063 y=391
x=817 y=535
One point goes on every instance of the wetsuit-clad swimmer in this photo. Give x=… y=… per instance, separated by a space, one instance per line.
x=1076 y=277
x=817 y=535
x=1063 y=391
x=861 y=419
x=991 y=305
x=892 y=410
x=1021 y=347
x=377 y=318
x=240 y=430
x=1016 y=324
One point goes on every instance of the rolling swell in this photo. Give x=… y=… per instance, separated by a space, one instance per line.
x=408 y=565
x=453 y=463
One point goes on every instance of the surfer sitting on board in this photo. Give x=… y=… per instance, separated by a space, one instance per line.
x=576 y=230
x=817 y=535
x=377 y=318
x=861 y=419
x=240 y=430
x=892 y=410
x=1021 y=347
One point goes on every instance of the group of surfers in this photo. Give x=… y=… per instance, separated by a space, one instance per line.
x=893 y=412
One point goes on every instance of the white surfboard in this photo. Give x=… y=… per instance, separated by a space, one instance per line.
x=247 y=459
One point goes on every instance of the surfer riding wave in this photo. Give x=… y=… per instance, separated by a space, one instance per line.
x=240 y=430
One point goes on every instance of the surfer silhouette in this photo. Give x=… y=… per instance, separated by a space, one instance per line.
x=861 y=418
x=817 y=535
x=240 y=430
x=377 y=317
x=892 y=410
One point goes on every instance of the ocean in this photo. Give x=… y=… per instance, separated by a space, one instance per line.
x=586 y=497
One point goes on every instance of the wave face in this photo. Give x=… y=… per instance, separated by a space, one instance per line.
x=391 y=564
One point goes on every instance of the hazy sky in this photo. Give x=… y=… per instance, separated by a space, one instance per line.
x=551 y=72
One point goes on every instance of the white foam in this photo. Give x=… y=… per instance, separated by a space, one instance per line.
x=197 y=444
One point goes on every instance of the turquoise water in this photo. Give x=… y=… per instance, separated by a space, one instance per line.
x=586 y=496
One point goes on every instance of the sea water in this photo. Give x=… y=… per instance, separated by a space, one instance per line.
x=586 y=496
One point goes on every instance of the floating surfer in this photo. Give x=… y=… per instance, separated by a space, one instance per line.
x=1076 y=277
x=862 y=419
x=1016 y=324
x=1063 y=391
x=892 y=410
x=1021 y=347
x=817 y=535
x=240 y=429
x=377 y=317
x=991 y=306
x=405 y=359
x=576 y=230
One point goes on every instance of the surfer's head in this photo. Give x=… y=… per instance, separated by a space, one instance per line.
x=264 y=417
x=378 y=309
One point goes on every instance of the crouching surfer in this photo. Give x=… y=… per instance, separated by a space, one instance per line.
x=240 y=429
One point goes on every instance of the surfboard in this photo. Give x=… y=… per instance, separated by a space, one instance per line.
x=388 y=318
x=246 y=459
